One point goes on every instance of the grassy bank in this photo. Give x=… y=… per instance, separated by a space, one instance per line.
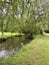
x=9 y=34
x=35 y=53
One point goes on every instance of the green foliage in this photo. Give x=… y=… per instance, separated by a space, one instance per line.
x=25 y=16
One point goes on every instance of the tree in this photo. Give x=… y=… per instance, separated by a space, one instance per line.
x=26 y=16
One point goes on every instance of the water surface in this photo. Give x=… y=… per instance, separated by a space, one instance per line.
x=12 y=45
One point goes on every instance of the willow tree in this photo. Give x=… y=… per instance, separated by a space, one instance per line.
x=8 y=10
x=25 y=16
x=2 y=15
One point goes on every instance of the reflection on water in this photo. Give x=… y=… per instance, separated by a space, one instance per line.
x=12 y=45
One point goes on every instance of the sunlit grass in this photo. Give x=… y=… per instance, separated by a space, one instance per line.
x=9 y=34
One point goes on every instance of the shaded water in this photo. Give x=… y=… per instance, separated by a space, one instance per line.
x=12 y=45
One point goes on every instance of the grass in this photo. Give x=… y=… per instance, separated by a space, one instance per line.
x=9 y=34
x=35 y=53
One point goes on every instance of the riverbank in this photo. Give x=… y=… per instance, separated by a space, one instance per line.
x=34 y=53
x=9 y=34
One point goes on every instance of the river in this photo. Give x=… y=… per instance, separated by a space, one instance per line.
x=12 y=45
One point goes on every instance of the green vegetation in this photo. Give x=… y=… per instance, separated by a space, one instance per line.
x=26 y=17
x=34 y=53
x=9 y=34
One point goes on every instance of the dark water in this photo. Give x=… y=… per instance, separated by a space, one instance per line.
x=12 y=45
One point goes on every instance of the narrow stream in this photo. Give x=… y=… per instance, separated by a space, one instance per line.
x=12 y=45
